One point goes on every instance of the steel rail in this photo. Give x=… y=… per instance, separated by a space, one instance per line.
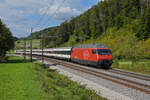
x=131 y=74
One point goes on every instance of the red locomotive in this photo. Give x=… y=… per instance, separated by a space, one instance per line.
x=92 y=54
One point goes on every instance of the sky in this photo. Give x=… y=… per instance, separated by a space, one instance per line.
x=20 y=15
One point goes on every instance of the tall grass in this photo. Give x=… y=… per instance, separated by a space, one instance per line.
x=136 y=66
x=60 y=87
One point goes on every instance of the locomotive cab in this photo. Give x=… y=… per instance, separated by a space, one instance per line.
x=104 y=57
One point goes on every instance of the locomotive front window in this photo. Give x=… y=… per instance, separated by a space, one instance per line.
x=104 y=51
x=94 y=51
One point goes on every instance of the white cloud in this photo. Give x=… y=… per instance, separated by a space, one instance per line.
x=63 y=11
x=19 y=14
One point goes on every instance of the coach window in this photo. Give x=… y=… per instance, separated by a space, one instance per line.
x=68 y=52
x=93 y=51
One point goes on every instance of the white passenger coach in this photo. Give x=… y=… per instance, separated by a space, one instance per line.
x=62 y=53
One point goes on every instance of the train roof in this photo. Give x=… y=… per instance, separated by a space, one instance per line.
x=49 y=49
x=58 y=49
x=97 y=45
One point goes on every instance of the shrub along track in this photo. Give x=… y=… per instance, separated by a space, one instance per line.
x=115 y=79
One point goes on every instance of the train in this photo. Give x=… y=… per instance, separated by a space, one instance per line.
x=98 y=55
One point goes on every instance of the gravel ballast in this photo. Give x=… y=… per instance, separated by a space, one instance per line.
x=100 y=89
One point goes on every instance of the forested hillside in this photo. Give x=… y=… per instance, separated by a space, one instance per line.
x=45 y=32
x=124 y=25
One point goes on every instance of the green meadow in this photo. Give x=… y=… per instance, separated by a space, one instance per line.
x=17 y=81
x=22 y=80
x=141 y=66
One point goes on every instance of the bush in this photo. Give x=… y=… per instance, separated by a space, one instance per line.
x=3 y=59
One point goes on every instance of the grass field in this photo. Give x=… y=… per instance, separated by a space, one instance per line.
x=35 y=44
x=21 y=80
x=138 y=66
x=17 y=81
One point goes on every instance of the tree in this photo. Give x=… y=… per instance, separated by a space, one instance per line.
x=143 y=31
x=6 y=40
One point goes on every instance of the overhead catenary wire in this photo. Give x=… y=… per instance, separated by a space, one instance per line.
x=45 y=13
x=45 y=23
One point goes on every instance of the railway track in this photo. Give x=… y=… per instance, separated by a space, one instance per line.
x=131 y=74
x=115 y=79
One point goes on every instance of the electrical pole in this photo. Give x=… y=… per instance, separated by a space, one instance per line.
x=147 y=4
x=31 y=45
x=24 y=49
x=81 y=39
x=42 y=44
x=42 y=49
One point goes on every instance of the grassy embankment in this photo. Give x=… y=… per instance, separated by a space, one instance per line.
x=21 y=80
x=35 y=44
x=139 y=67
